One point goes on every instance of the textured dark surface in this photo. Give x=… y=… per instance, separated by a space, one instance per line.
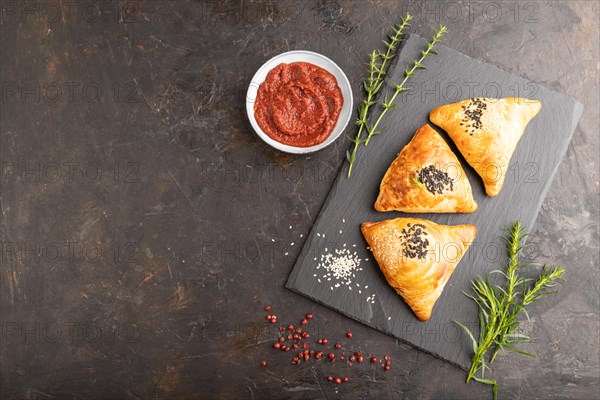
x=149 y=280
x=449 y=77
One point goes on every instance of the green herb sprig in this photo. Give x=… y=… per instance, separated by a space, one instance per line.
x=374 y=81
x=386 y=103
x=499 y=307
x=400 y=87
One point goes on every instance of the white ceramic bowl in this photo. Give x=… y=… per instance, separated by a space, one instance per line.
x=320 y=61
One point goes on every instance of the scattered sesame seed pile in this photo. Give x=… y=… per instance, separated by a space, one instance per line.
x=342 y=266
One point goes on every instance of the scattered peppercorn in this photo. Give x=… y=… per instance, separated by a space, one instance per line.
x=296 y=335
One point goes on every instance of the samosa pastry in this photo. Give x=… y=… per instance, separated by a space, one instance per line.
x=417 y=257
x=486 y=132
x=426 y=177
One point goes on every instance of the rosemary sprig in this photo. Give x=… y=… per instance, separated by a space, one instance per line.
x=408 y=72
x=372 y=84
x=499 y=307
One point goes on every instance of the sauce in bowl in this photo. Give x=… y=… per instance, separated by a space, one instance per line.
x=298 y=104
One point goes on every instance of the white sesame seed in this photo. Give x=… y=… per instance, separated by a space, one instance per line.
x=301 y=235
x=389 y=318
x=343 y=220
x=272 y=240
x=318 y=234
x=285 y=254
x=290 y=227
x=340 y=231
x=292 y=244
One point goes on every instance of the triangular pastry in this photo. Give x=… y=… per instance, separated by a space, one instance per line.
x=486 y=132
x=426 y=177
x=417 y=257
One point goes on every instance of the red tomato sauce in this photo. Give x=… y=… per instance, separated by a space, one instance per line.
x=298 y=104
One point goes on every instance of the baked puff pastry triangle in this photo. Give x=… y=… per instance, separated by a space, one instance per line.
x=417 y=257
x=426 y=177
x=486 y=132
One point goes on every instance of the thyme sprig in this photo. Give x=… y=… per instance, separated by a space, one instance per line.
x=374 y=81
x=499 y=307
x=388 y=104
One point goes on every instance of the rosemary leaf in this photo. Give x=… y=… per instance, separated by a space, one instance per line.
x=500 y=306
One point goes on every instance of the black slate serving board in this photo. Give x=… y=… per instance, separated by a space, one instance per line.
x=449 y=77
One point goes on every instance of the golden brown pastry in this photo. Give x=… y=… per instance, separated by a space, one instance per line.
x=426 y=177
x=417 y=257
x=486 y=132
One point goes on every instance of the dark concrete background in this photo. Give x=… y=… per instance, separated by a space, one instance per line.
x=139 y=208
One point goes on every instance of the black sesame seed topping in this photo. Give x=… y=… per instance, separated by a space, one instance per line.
x=473 y=112
x=435 y=180
x=414 y=243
